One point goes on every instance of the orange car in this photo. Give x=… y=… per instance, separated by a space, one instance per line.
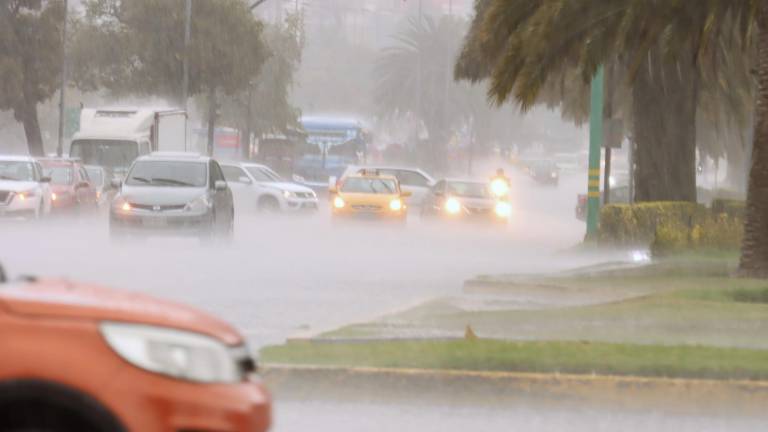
x=76 y=357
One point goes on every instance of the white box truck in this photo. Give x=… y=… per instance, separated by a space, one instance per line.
x=114 y=137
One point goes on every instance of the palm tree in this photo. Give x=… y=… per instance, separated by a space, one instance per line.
x=665 y=44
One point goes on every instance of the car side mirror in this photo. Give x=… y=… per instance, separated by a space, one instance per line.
x=45 y=179
x=439 y=194
x=220 y=185
x=405 y=194
x=83 y=184
x=333 y=190
x=116 y=183
x=244 y=179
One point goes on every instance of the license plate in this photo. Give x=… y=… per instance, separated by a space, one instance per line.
x=155 y=222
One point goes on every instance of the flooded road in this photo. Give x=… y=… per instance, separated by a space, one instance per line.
x=303 y=416
x=298 y=275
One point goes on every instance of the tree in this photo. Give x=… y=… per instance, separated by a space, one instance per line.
x=137 y=47
x=30 y=56
x=413 y=80
x=585 y=33
x=265 y=106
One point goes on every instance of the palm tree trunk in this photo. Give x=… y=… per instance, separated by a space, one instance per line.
x=754 y=249
x=664 y=97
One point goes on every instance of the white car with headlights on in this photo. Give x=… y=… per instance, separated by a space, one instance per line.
x=465 y=200
x=173 y=193
x=259 y=187
x=24 y=190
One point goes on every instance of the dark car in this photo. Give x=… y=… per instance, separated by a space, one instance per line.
x=71 y=187
x=173 y=193
x=464 y=200
x=545 y=172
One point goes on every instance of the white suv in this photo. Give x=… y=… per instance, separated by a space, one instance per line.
x=261 y=187
x=24 y=191
x=412 y=180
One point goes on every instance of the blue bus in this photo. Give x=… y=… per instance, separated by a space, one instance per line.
x=331 y=143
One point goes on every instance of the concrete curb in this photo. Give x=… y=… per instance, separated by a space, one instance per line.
x=462 y=388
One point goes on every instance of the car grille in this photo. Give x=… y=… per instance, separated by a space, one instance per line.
x=479 y=211
x=4 y=195
x=159 y=208
x=305 y=195
x=369 y=208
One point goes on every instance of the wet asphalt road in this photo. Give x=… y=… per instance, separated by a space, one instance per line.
x=297 y=275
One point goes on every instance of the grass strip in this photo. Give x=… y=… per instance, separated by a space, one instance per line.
x=541 y=357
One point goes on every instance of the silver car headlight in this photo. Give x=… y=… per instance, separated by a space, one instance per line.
x=288 y=194
x=200 y=204
x=174 y=353
x=121 y=205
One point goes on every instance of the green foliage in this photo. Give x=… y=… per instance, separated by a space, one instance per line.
x=639 y=224
x=731 y=207
x=673 y=226
x=270 y=109
x=30 y=56
x=137 y=47
x=414 y=85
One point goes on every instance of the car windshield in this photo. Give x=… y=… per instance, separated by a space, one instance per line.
x=17 y=171
x=60 y=175
x=263 y=174
x=468 y=189
x=369 y=185
x=96 y=175
x=168 y=173
x=106 y=153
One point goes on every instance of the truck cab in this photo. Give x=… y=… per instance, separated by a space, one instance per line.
x=113 y=138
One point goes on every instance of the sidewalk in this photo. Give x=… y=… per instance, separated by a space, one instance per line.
x=502 y=389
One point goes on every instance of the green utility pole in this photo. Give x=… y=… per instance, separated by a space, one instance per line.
x=595 y=143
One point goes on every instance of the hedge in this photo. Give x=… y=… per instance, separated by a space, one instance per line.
x=673 y=226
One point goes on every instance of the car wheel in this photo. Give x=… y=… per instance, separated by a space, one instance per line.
x=208 y=233
x=268 y=204
x=229 y=232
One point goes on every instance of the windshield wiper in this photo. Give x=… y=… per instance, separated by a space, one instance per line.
x=171 y=181
x=142 y=179
x=2 y=177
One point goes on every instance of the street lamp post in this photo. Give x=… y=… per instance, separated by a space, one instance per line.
x=62 y=89
x=595 y=143
x=187 y=35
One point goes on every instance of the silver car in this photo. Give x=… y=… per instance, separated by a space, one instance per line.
x=173 y=193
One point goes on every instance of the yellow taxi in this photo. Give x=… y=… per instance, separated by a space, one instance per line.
x=369 y=195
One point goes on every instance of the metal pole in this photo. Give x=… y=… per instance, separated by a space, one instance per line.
x=595 y=143
x=185 y=80
x=187 y=35
x=62 y=89
x=419 y=102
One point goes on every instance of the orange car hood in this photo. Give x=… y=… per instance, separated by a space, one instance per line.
x=64 y=299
